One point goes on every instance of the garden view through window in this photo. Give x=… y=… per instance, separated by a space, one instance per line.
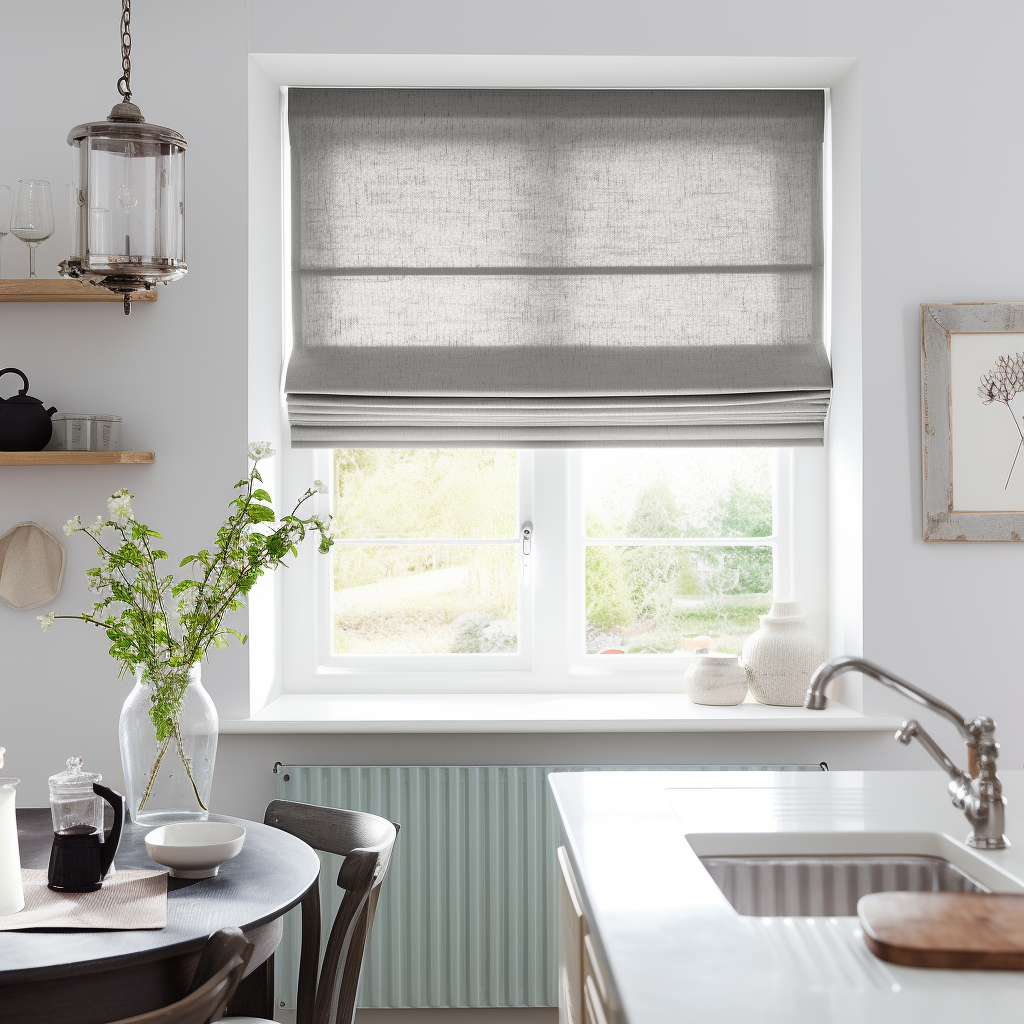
x=426 y=559
x=677 y=550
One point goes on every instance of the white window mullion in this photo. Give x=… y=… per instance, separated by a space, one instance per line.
x=783 y=572
x=682 y=542
x=549 y=589
x=384 y=542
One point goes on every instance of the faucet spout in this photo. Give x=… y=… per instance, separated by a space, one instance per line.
x=815 y=699
x=978 y=793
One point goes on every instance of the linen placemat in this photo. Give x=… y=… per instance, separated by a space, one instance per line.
x=127 y=901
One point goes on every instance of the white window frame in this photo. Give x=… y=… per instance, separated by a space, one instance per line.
x=552 y=615
x=309 y=662
x=375 y=664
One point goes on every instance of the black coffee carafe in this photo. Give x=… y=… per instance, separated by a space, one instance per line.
x=80 y=858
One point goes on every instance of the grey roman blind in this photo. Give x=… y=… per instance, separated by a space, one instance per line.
x=556 y=267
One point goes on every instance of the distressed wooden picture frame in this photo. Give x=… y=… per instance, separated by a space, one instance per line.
x=967 y=440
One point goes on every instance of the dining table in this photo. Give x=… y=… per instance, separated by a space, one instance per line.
x=94 y=977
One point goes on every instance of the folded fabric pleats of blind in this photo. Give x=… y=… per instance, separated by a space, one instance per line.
x=539 y=268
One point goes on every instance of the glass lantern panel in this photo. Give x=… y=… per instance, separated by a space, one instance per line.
x=79 y=203
x=133 y=204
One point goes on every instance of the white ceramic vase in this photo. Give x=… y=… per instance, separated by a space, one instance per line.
x=12 y=897
x=716 y=679
x=781 y=656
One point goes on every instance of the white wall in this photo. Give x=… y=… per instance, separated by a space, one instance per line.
x=175 y=369
x=939 y=89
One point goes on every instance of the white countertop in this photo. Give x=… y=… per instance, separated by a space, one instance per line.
x=539 y=713
x=677 y=951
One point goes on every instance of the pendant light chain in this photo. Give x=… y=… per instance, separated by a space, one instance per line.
x=124 y=83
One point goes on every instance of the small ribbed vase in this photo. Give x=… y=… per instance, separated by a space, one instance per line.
x=716 y=679
x=781 y=656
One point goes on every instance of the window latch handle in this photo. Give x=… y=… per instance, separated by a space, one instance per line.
x=526 y=540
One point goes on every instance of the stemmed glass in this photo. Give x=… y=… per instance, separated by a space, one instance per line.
x=6 y=202
x=33 y=216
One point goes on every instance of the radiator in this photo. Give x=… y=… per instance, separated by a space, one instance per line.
x=467 y=914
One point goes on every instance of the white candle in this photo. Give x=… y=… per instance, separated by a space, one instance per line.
x=12 y=897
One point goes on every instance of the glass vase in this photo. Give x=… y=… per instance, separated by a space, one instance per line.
x=168 y=780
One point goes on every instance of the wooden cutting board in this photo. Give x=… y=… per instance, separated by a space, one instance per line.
x=969 y=931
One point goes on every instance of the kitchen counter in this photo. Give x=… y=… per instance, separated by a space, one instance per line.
x=672 y=947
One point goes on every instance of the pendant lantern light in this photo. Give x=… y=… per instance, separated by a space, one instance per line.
x=127 y=195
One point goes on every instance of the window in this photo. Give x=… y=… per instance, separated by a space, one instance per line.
x=678 y=548
x=426 y=558
x=658 y=278
x=657 y=554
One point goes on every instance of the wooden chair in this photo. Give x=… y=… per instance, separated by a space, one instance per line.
x=221 y=966
x=366 y=841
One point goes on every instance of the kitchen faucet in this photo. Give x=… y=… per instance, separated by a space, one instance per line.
x=978 y=794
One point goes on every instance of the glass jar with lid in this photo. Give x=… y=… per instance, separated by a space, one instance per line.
x=81 y=855
x=76 y=808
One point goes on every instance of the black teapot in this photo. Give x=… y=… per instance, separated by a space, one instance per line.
x=24 y=424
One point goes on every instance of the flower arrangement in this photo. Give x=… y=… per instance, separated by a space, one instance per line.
x=163 y=626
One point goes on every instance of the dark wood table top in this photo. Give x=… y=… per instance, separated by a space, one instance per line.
x=270 y=876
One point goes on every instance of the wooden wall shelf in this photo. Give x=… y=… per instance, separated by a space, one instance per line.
x=76 y=458
x=62 y=289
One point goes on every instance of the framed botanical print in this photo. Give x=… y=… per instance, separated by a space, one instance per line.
x=972 y=377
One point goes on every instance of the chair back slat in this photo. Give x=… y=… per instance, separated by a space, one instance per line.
x=224 y=960
x=220 y=947
x=330 y=829
x=366 y=841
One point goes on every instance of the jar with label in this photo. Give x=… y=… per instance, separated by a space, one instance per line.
x=106 y=434
x=85 y=432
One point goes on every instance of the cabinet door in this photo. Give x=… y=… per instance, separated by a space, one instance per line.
x=570 y=945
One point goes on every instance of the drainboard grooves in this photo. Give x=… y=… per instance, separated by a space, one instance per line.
x=827 y=886
x=827 y=954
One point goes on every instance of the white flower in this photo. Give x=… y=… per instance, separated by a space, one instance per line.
x=99 y=524
x=46 y=621
x=73 y=525
x=260 y=450
x=119 y=504
x=321 y=487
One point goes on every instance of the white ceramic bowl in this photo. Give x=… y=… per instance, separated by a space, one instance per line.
x=195 y=849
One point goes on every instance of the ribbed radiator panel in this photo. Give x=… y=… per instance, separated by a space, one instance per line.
x=467 y=914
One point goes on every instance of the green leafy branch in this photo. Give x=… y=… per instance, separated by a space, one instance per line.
x=134 y=597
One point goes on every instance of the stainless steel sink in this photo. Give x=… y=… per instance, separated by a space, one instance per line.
x=827 y=886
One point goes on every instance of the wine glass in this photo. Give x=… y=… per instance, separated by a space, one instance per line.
x=6 y=202
x=33 y=216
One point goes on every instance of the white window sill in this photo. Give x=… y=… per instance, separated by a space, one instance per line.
x=539 y=713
